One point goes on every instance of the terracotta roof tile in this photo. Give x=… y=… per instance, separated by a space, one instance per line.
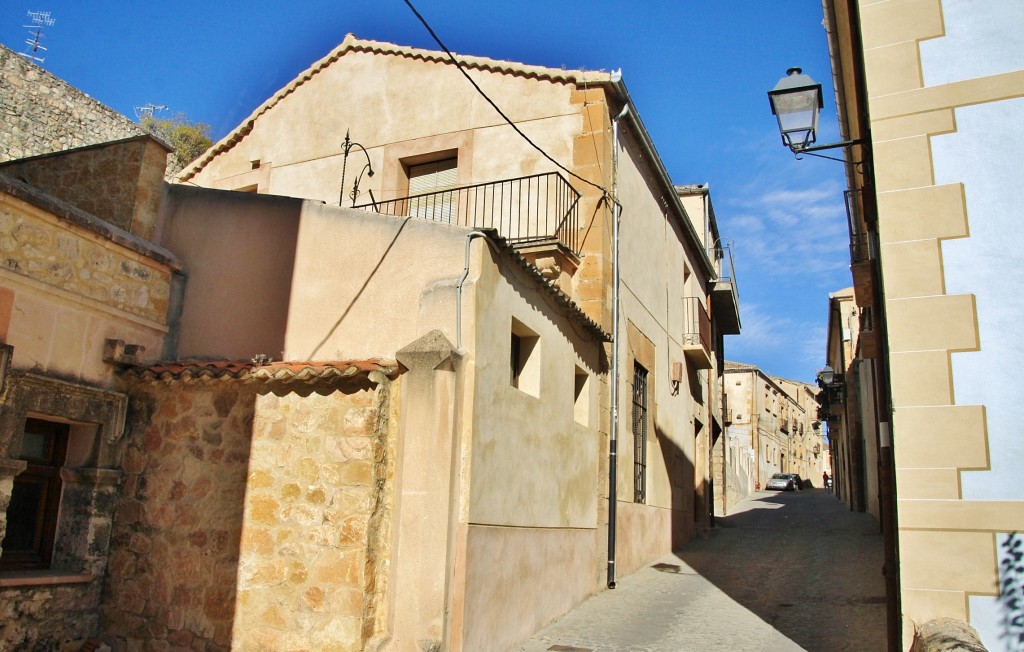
x=282 y=377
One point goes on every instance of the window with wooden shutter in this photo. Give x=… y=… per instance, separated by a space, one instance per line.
x=35 y=497
x=434 y=180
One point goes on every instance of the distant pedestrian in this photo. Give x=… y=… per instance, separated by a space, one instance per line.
x=824 y=479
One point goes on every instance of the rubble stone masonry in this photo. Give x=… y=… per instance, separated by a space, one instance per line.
x=40 y=113
x=119 y=182
x=312 y=574
x=251 y=521
x=51 y=252
x=174 y=548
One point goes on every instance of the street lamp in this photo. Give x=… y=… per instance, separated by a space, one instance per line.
x=796 y=102
x=826 y=375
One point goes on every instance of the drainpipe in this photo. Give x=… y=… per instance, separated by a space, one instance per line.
x=614 y=439
x=458 y=289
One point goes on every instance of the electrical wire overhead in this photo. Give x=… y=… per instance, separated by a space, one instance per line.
x=479 y=90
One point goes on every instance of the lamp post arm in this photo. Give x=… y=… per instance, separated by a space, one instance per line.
x=818 y=148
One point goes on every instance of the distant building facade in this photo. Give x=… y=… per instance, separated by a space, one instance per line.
x=773 y=428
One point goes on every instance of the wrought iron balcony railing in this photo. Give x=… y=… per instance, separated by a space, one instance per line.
x=696 y=324
x=522 y=210
x=860 y=244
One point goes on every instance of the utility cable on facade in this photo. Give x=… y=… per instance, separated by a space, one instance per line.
x=491 y=102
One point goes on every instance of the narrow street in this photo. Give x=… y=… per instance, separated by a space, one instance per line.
x=784 y=571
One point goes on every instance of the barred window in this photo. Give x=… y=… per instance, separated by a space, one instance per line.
x=639 y=433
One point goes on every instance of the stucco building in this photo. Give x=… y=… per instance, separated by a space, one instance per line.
x=931 y=93
x=298 y=424
x=671 y=290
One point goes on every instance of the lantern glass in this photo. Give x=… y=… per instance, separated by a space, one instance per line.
x=796 y=101
x=826 y=375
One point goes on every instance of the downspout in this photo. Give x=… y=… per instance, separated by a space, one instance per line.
x=458 y=289
x=614 y=437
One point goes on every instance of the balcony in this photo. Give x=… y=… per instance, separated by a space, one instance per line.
x=526 y=211
x=725 y=299
x=696 y=333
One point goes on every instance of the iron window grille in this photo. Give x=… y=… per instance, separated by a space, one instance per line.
x=639 y=433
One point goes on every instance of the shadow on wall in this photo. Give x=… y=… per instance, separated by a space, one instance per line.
x=175 y=540
x=680 y=470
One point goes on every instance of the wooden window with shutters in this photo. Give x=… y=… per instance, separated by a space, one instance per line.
x=35 y=497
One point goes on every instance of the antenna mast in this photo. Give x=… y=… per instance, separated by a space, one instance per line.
x=39 y=19
x=147 y=110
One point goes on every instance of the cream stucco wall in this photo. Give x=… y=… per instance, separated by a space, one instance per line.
x=945 y=82
x=399 y=106
x=414 y=107
x=658 y=271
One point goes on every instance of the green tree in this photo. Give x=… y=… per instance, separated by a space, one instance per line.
x=189 y=139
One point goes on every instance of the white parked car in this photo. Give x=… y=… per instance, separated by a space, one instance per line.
x=784 y=482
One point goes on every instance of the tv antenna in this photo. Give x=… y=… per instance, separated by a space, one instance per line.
x=147 y=110
x=40 y=19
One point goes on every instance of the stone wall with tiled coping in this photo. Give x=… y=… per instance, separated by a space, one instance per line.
x=174 y=546
x=120 y=182
x=277 y=494
x=40 y=113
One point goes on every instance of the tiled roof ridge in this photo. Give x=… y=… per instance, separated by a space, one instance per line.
x=732 y=364
x=207 y=371
x=353 y=44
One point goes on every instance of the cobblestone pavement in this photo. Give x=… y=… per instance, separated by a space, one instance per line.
x=784 y=571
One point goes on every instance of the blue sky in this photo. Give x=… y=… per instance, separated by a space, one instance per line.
x=697 y=71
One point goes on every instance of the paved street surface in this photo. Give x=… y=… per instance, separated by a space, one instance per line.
x=785 y=571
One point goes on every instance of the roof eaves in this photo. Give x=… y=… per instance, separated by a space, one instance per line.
x=573 y=311
x=662 y=174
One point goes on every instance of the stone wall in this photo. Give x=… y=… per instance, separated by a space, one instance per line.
x=57 y=608
x=251 y=521
x=120 y=182
x=54 y=617
x=174 y=548
x=40 y=113
x=312 y=572
x=55 y=254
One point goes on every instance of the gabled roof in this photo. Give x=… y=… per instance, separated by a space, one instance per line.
x=612 y=80
x=353 y=44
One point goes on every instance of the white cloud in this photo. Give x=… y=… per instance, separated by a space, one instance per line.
x=791 y=247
